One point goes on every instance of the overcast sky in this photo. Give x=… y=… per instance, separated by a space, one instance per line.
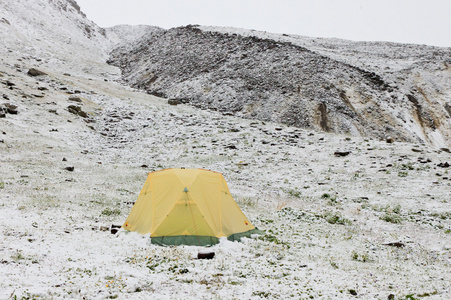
x=406 y=21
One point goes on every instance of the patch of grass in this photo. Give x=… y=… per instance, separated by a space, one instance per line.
x=273 y=239
x=2 y=185
x=360 y=257
x=391 y=218
x=261 y=294
x=247 y=201
x=293 y=192
x=403 y=173
x=336 y=218
x=110 y=212
x=410 y=297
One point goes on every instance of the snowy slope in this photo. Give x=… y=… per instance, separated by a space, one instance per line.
x=53 y=33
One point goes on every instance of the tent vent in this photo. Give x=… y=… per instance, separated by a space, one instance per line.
x=185 y=190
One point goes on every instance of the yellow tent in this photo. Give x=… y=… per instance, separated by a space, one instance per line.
x=189 y=207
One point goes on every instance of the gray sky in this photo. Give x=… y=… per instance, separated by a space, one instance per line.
x=406 y=21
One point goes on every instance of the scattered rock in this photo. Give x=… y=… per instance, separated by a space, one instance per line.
x=341 y=153
x=43 y=88
x=10 y=84
x=64 y=159
x=390 y=140
x=70 y=169
x=115 y=228
x=395 y=244
x=104 y=228
x=75 y=99
x=443 y=165
x=391 y=297
x=173 y=102
x=66 y=74
x=3 y=20
x=416 y=150
x=144 y=166
x=10 y=108
x=76 y=110
x=352 y=292
x=35 y=72
x=205 y=255
x=446 y=150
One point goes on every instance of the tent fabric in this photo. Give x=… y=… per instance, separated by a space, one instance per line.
x=189 y=207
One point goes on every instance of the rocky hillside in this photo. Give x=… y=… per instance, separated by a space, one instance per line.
x=369 y=89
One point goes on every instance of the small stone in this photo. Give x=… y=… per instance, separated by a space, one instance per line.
x=76 y=110
x=205 y=255
x=11 y=109
x=443 y=165
x=395 y=244
x=35 y=72
x=341 y=153
x=389 y=140
x=75 y=99
x=70 y=169
x=173 y=102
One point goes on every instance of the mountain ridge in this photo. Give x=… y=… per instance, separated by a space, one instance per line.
x=188 y=65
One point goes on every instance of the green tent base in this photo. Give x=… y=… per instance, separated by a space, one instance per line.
x=195 y=240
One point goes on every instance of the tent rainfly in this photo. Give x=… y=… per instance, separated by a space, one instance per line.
x=187 y=207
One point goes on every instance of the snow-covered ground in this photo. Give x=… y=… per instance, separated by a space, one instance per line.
x=328 y=220
x=373 y=223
